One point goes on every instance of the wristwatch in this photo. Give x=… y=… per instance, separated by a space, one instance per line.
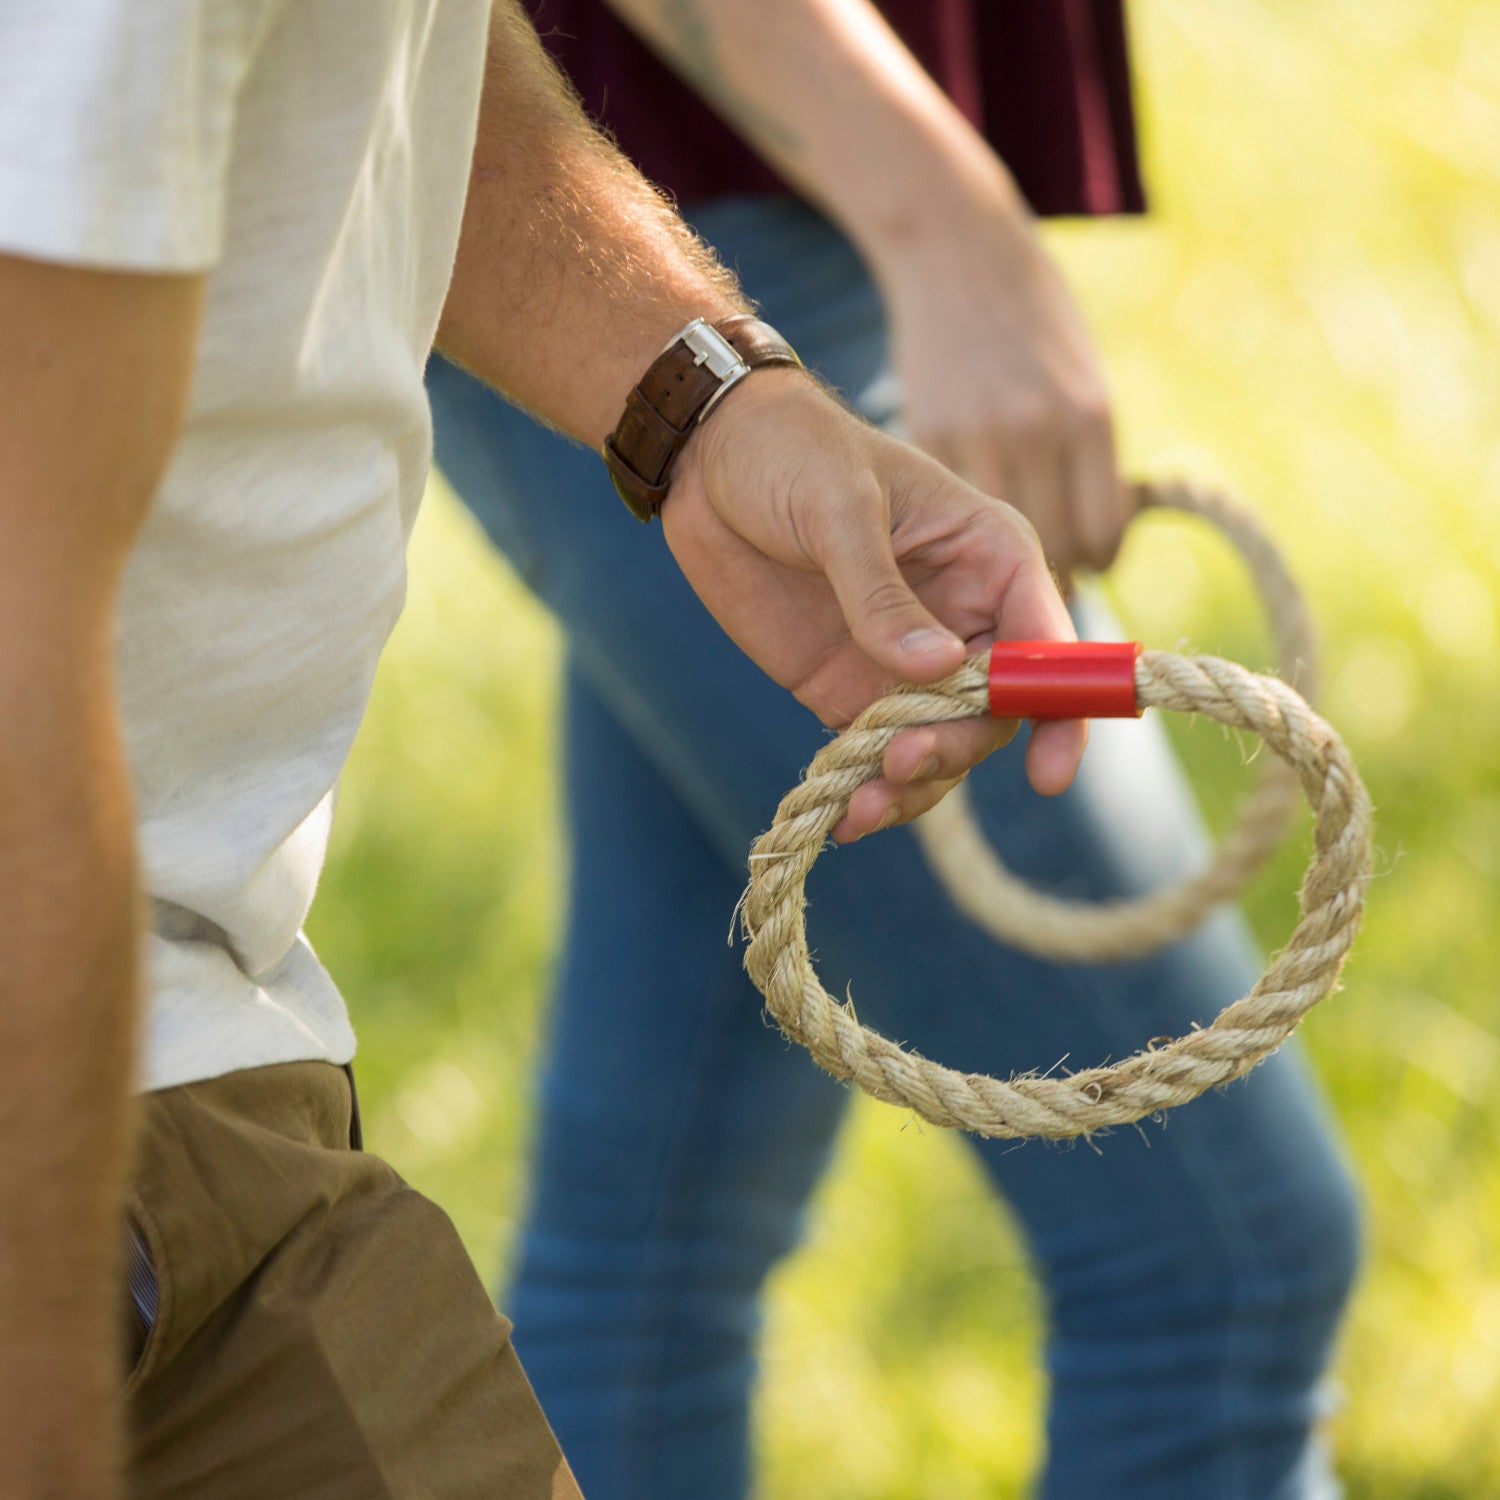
x=687 y=380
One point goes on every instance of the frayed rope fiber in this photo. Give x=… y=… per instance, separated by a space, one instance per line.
x=1061 y=1106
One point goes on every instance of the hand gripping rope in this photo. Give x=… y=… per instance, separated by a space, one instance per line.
x=1013 y=913
x=1040 y=680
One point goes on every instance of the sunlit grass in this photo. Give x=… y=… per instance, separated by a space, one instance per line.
x=1314 y=316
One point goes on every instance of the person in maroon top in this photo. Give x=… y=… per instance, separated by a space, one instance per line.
x=878 y=200
x=1046 y=85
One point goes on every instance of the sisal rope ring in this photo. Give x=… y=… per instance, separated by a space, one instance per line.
x=1059 y=1106
x=1018 y=914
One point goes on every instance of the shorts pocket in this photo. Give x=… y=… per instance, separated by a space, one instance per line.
x=142 y=1301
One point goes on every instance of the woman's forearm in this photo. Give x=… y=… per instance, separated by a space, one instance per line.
x=828 y=94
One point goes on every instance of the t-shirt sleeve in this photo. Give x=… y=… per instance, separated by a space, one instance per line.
x=117 y=126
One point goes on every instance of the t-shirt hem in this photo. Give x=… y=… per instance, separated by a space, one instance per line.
x=184 y=1067
x=206 y=1018
x=44 y=218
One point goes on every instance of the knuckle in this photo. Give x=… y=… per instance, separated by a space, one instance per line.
x=887 y=597
x=838 y=520
x=852 y=506
x=1028 y=533
x=1104 y=548
x=1091 y=409
x=1100 y=527
x=1030 y=421
x=1078 y=426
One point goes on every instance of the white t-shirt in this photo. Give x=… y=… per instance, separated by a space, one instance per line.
x=314 y=154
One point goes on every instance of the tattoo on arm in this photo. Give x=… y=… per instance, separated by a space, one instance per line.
x=690 y=35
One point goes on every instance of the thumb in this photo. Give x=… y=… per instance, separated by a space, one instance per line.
x=887 y=620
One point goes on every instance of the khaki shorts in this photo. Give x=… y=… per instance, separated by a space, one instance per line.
x=318 y=1328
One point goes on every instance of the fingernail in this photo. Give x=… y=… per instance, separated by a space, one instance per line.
x=928 y=768
x=927 y=640
x=888 y=817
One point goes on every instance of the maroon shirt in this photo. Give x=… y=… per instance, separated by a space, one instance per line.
x=1046 y=81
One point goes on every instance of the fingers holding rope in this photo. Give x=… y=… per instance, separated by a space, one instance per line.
x=920 y=765
x=919 y=768
x=1307 y=969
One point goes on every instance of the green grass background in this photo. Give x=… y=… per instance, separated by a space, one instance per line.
x=1313 y=315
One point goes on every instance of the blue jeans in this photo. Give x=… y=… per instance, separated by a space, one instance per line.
x=1195 y=1274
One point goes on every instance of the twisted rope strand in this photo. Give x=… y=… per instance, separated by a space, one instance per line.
x=1015 y=913
x=1065 y=1105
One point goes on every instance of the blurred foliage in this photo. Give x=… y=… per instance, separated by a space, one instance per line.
x=1312 y=314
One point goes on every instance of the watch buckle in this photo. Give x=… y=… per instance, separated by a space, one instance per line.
x=710 y=347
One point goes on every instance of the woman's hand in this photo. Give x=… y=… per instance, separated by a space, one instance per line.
x=1002 y=384
x=843 y=561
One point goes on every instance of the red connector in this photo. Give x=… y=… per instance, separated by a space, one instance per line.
x=1063 y=679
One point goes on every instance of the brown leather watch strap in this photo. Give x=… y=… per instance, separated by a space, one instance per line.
x=675 y=394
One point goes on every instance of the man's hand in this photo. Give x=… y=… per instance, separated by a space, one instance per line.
x=842 y=561
x=829 y=551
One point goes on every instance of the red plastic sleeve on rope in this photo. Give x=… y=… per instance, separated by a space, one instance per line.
x=1063 y=679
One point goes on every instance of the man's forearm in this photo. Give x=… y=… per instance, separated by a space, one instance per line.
x=795 y=522
x=571 y=272
x=68 y=1009
x=829 y=95
x=93 y=384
